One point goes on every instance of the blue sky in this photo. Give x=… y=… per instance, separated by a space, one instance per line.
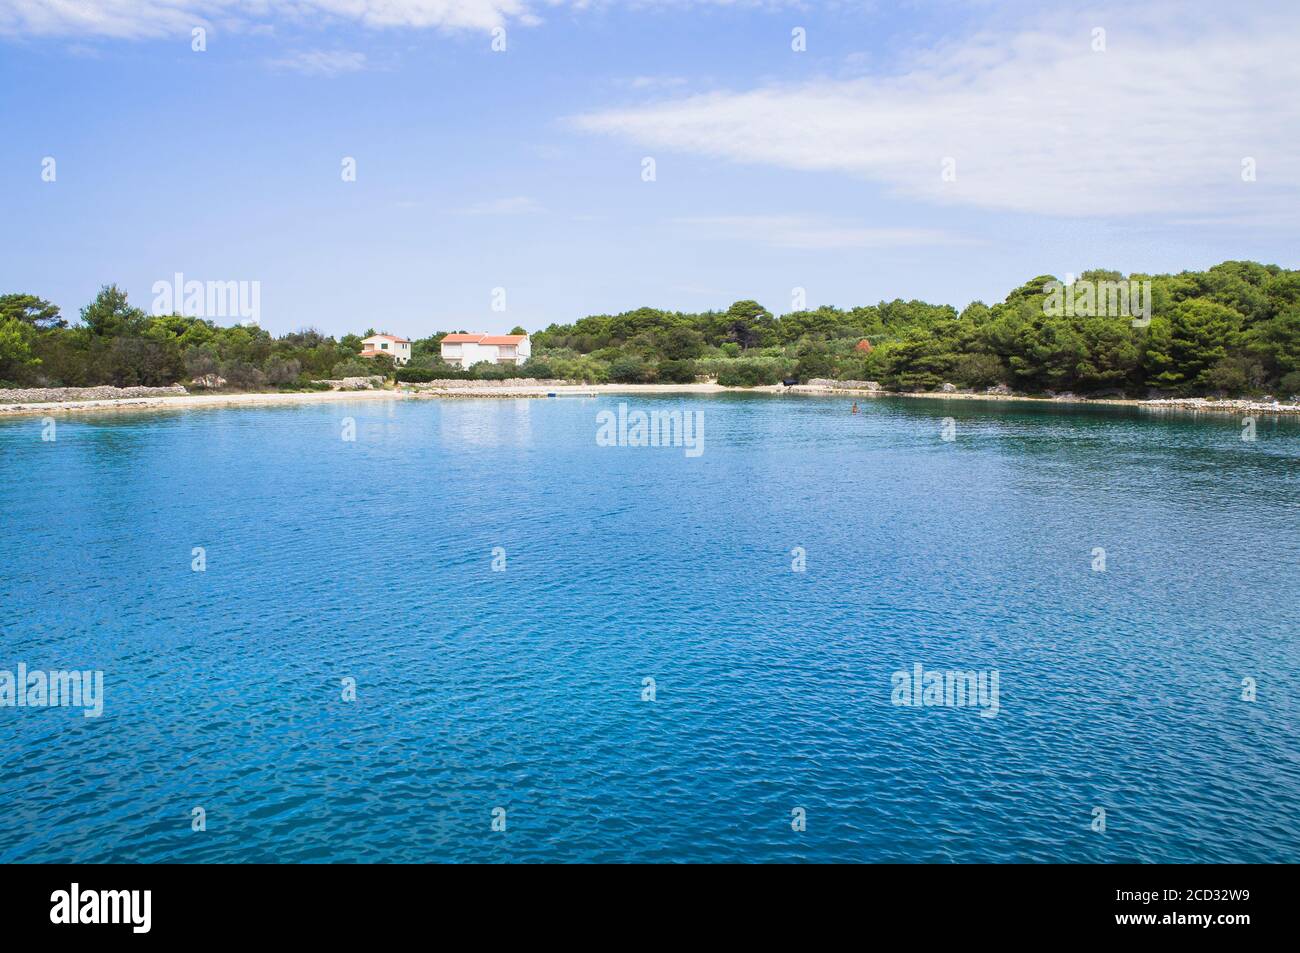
x=775 y=169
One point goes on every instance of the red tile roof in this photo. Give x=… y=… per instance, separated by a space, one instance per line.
x=483 y=338
x=386 y=337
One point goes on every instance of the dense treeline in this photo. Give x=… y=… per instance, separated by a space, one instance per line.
x=115 y=343
x=1234 y=329
x=119 y=344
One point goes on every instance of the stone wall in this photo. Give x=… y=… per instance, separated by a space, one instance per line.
x=354 y=383
x=49 y=395
x=828 y=384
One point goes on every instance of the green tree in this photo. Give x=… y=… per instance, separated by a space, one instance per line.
x=749 y=324
x=1182 y=348
x=32 y=310
x=109 y=315
x=628 y=369
x=16 y=349
x=676 y=372
x=680 y=344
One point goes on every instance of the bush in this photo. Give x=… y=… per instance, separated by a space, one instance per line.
x=243 y=376
x=814 y=364
x=979 y=370
x=581 y=369
x=677 y=372
x=749 y=374
x=200 y=361
x=1290 y=383
x=487 y=371
x=539 y=369
x=422 y=375
x=1234 y=375
x=282 y=373
x=628 y=370
x=355 y=367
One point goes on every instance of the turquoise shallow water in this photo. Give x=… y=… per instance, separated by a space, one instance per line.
x=522 y=689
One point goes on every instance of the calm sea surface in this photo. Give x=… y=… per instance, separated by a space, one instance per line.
x=523 y=689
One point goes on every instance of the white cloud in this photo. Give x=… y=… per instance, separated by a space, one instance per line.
x=142 y=18
x=452 y=14
x=514 y=205
x=152 y=18
x=792 y=231
x=321 y=62
x=654 y=82
x=111 y=18
x=1035 y=120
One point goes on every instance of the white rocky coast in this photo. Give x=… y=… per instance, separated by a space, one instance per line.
x=46 y=395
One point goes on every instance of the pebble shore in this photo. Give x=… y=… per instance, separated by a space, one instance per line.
x=73 y=400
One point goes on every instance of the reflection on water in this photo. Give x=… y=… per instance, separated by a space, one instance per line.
x=486 y=423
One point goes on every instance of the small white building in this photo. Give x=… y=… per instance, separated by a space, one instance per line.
x=399 y=349
x=466 y=350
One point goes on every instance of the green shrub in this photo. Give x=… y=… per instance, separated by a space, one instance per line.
x=815 y=363
x=539 y=369
x=241 y=375
x=628 y=369
x=422 y=375
x=743 y=373
x=677 y=372
x=979 y=370
x=355 y=367
x=1235 y=375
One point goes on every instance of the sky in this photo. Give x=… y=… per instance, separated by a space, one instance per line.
x=679 y=154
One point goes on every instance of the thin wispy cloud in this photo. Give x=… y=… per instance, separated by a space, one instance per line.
x=652 y=83
x=320 y=62
x=792 y=231
x=512 y=205
x=1034 y=119
x=155 y=18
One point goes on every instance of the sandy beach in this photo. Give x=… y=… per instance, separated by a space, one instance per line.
x=505 y=389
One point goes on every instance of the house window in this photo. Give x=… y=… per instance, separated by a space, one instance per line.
x=384 y=346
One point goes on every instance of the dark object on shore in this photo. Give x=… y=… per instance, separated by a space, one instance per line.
x=790 y=381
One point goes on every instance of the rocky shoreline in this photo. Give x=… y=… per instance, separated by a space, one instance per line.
x=1001 y=393
x=49 y=395
x=185 y=402
x=75 y=400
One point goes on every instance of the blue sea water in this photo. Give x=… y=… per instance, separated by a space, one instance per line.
x=523 y=689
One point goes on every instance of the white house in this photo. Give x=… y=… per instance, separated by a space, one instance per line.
x=399 y=349
x=465 y=350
